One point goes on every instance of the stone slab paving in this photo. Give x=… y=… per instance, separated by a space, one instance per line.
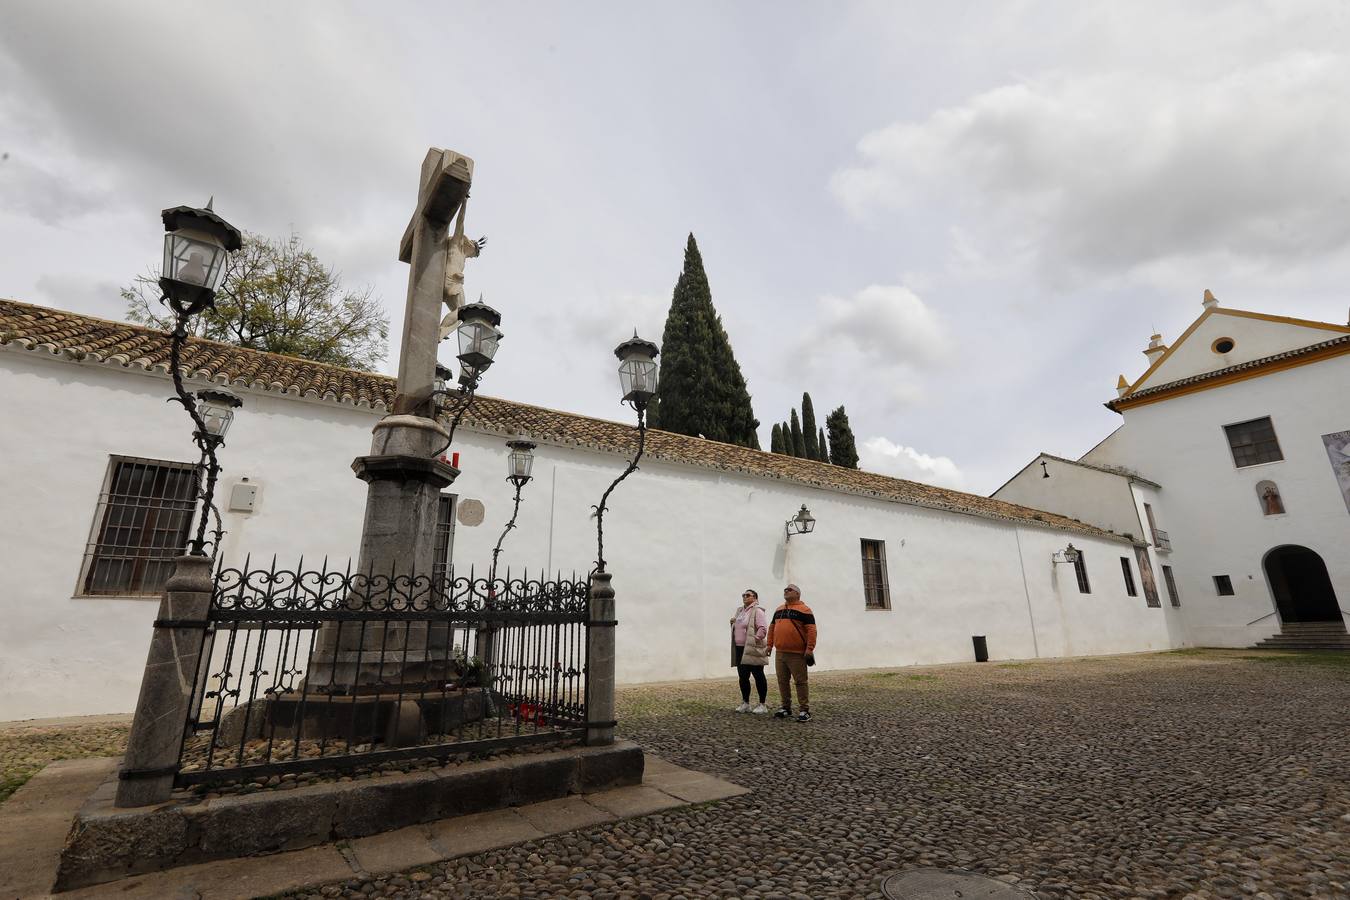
x=1195 y=774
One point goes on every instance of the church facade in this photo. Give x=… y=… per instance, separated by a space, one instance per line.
x=97 y=499
x=1232 y=462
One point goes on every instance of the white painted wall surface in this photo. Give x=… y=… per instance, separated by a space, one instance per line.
x=1210 y=507
x=1099 y=498
x=682 y=542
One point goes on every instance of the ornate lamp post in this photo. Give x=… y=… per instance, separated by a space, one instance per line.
x=478 y=337
x=519 y=464
x=638 y=380
x=802 y=523
x=197 y=244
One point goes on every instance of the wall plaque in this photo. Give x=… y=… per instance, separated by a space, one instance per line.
x=1338 y=452
x=470 y=512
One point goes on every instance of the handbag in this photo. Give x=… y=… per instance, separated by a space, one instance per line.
x=810 y=657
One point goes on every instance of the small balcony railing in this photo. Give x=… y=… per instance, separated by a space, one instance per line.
x=1161 y=541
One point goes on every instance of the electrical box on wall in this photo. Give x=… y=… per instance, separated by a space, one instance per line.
x=243 y=497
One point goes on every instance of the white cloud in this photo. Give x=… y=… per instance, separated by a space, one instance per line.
x=1106 y=172
x=879 y=340
x=880 y=455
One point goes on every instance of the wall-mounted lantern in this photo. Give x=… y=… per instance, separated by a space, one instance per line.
x=802 y=523
x=1067 y=555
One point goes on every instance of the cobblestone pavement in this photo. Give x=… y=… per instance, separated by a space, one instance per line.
x=25 y=748
x=1198 y=773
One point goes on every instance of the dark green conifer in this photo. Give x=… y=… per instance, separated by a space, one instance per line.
x=798 y=442
x=843 y=450
x=702 y=389
x=824 y=448
x=812 y=445
x=776 y=439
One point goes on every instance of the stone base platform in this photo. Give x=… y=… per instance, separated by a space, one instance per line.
x=107 y=843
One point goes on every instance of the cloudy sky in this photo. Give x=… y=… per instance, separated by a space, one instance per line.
x=962 y=222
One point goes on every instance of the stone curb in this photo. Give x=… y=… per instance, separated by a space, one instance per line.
x=107 y=843
x=28 y=865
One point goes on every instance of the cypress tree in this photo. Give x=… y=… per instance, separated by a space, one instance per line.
x=843 y=450
x=702 y=388
x=798 y=443
x=787 y=439
x=776 y=439
x=812 y=446
x=824 y=448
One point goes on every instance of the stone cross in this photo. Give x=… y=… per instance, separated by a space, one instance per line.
x=427 y=247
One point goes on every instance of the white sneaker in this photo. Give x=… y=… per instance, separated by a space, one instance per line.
x=760 y=710
x=744 y=707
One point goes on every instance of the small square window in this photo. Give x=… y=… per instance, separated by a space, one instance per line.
x=1224 y=585
x=1253 y=442
x=1129 y=576
x=144 y=514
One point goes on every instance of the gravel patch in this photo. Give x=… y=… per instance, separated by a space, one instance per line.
x=1194 y=774
x=25 y=749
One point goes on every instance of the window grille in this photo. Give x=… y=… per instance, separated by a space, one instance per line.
x=1253 y=442
x=1172 y=594
x=445 y=536
x=1080 y=569
x=1224 y=585
x=1129 y=576
x=144 y=514
x=876 y=588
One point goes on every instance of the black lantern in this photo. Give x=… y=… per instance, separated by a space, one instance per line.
x=1068 y=555
x=520 y=461
x=478 y=336
x=442 y=381
x=637 y=370
x=802 y=523
x=216 y=407
x=197 y=243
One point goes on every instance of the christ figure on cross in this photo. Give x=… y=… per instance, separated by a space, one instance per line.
x=459 y=249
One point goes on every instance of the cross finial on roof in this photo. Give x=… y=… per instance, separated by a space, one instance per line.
x=210 y=201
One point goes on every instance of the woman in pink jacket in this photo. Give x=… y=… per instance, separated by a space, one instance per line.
x=749 y=628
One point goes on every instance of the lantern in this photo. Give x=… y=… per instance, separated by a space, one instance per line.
x=197 y=242
x=216 y=407
x=478 y=336
x=520 y=461
x=637 y=370
x=802 y=523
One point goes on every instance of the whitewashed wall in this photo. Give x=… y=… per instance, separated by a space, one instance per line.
x=1210 y=507
x=682 y=542
x=1099 y=498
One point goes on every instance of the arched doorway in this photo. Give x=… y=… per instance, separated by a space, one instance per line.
x=1301 y=585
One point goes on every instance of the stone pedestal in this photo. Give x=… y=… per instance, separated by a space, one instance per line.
x=156 y=737
x=600 y=662
x=398 y=540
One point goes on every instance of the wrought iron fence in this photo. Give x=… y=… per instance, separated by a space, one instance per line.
x=306 y=670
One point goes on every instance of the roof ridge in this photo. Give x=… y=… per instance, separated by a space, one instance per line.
x=293 y=376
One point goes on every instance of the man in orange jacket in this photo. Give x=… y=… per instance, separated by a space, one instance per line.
x=793 y=632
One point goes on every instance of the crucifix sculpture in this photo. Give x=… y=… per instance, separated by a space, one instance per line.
x=403 y=474
x=436 y=259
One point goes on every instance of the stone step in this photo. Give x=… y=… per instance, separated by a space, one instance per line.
x=1303 y=645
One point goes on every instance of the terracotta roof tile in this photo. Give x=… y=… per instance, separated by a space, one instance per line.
x=119 y=344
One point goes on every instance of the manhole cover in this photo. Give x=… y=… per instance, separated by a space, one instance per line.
x=949 y=884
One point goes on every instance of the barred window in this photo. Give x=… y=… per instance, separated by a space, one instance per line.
x=144 y=514
x=1172 y=594
x=1129 y=576
x=1253 y=442
x=1080 y=569
x=445 y=536
x=876 y=589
